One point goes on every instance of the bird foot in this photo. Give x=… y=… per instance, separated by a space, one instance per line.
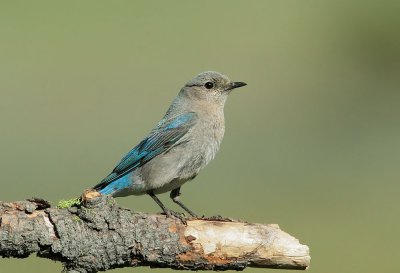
x=179 y=215
x=217 y=218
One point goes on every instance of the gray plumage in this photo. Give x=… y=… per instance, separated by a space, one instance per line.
x=183 y=142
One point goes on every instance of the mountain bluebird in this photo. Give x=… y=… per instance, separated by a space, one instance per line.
x=183 y=142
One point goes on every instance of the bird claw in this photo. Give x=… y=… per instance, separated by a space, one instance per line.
x=217 y=218
x=179 y=215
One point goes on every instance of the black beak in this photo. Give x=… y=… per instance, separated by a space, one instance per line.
x=234 y=85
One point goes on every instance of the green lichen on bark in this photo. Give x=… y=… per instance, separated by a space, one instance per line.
x=64 y=204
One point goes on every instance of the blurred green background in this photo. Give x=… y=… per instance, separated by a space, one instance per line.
x=312 y=143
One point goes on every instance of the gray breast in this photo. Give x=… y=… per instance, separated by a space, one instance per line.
x=203 y=144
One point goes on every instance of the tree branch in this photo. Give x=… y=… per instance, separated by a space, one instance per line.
x=100 y=235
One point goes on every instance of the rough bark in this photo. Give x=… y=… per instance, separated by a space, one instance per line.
x=99 y=235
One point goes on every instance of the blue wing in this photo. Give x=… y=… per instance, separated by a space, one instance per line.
x=160 y=140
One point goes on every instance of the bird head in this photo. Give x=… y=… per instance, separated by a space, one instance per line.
x=210 y=85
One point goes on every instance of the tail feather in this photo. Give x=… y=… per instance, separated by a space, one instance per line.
x=114 y=186
x=105 y=182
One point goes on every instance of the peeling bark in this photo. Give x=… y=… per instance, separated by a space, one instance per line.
x=100 y=235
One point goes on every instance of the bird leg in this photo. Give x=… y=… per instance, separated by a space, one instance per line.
x=175 y=197
x=158 y=201
x=168 y=212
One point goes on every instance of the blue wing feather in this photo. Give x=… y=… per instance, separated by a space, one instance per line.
x=161 y=139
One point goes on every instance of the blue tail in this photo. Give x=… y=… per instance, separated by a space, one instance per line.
x=117 y=185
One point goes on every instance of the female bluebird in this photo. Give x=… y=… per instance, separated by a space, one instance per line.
x=183 y=142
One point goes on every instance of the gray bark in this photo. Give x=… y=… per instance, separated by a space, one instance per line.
x=99 y=235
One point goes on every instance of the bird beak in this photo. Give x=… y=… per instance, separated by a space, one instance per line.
x=234 y=85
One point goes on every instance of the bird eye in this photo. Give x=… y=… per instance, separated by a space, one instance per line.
x=209 y=85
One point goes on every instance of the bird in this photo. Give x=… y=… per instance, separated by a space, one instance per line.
x=182 y=143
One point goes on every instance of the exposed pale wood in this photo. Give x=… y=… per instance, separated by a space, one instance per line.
x=260 y=245
x=99 y=235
